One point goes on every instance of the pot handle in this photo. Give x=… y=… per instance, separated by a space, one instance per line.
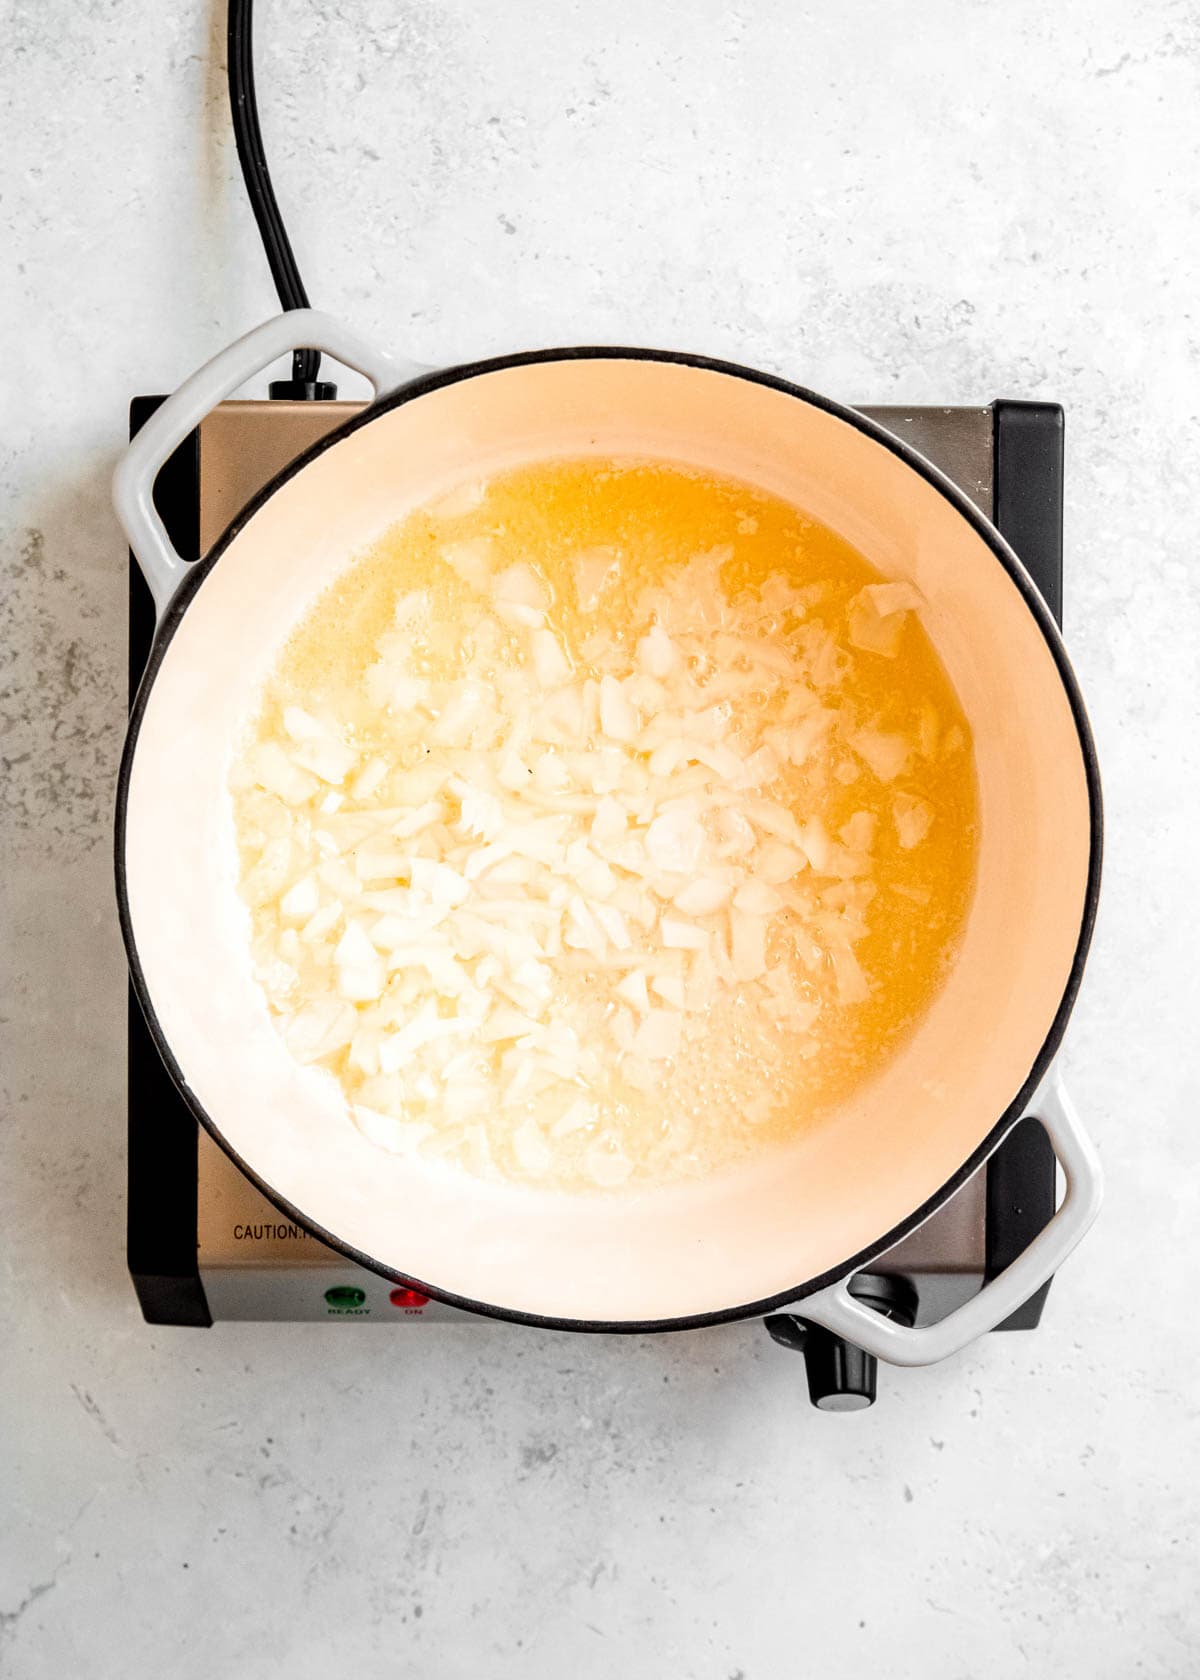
x=133 y=481
x=837 y=1310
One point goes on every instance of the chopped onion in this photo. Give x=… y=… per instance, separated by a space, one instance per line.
x=678 y=935
x=610 y=821
x=278 y=773
x=671 y=989
x=885 y=754
x=472 y=559
x=776 y=863
x=703 y=896
x=551 y=665
x=657 y=1038
x=913 y=818
x=301 y=901
x=657 y=653
x=594 y=569
x=877 y=616
x=525 y=877
x=633 y=990
x=859 y=832
x=578 y=1116
x=614 y=925
x=369 y=779
x=618 y=718
x=895 y=597
x=815 y=843
x=757 y=898
x=676 y=842
x=851 y=981
x=320 y=1029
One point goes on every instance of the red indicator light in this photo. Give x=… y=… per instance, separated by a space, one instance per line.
x=408 y=1298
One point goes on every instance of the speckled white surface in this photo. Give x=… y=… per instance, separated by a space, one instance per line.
x=946 y=202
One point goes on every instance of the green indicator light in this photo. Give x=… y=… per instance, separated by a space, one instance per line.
x=345 y=1296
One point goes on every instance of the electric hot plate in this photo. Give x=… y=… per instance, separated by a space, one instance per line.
x=204 y=1245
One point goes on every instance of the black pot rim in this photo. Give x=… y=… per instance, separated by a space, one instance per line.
x=1001 y=552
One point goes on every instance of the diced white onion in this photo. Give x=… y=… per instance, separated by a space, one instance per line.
x=703 y=896
x=678 y=935
x=913 y=818
x=885 y=754
x=532 y=861
x=472 y=559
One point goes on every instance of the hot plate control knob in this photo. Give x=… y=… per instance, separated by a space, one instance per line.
x=841 y=1377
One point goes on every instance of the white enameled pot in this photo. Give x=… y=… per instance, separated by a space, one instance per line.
x=791 y=1228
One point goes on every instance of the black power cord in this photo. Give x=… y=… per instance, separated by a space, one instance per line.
x=304 y=384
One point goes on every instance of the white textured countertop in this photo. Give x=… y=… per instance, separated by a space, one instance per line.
x=891 y=203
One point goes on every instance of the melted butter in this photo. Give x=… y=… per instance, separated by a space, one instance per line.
x=651 y=518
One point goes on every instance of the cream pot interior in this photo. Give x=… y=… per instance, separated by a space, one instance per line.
x=634 y=1256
